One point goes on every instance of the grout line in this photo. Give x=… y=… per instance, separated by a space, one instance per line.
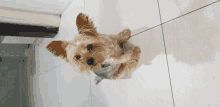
x=90 y=88
x=176 y=18
x=90 y=78
x=61 y=100
x=166 y=53
x=65 y=9
x=51 y=69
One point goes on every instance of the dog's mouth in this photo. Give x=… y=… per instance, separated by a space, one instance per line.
x=102 y=66
x=105 y=65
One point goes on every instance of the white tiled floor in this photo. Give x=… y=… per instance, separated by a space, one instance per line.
x=192 y=46
x=57 y=83
x=171 y=9
x=150 y=83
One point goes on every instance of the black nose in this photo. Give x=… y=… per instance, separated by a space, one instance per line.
x=121 y=45
x=90 y=61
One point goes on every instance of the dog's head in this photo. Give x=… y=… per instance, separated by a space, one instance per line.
x=86 y=51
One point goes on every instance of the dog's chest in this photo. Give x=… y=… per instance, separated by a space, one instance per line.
x=112 y=47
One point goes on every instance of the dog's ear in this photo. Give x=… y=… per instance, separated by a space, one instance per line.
x=85 y=26
x=58 y=48
x=125 y=35
x=126 y=32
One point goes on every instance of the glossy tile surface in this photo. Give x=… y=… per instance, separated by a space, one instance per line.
x=115 y=15
x=74 y=88
x=67 y=31
x=149 y=85
x=63 y=87
x=56 y=83
x=171 y=9
x=193 y=47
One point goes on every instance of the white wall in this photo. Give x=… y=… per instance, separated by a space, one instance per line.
x=48 y=6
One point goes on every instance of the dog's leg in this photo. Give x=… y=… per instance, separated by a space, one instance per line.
x=126 y=67
x=120 y=72
x=128 y=61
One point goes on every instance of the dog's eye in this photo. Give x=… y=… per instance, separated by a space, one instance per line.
x=78 y=57
x=90 y=47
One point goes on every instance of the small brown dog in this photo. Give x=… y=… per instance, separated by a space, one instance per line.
x=91 y=50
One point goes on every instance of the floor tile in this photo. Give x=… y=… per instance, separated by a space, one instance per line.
x=44 y=59
x=146 y=87
x=57 y=83
x=114 y=16
x=63 y=87
x=149 y=85
x=46 y=93
x=67 y=31
x=193 y=47
x=171 y=9
x=75 y=87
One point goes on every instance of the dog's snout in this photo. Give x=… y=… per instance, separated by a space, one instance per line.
x=90 y=61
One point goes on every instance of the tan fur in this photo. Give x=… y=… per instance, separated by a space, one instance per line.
x=105 y=48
